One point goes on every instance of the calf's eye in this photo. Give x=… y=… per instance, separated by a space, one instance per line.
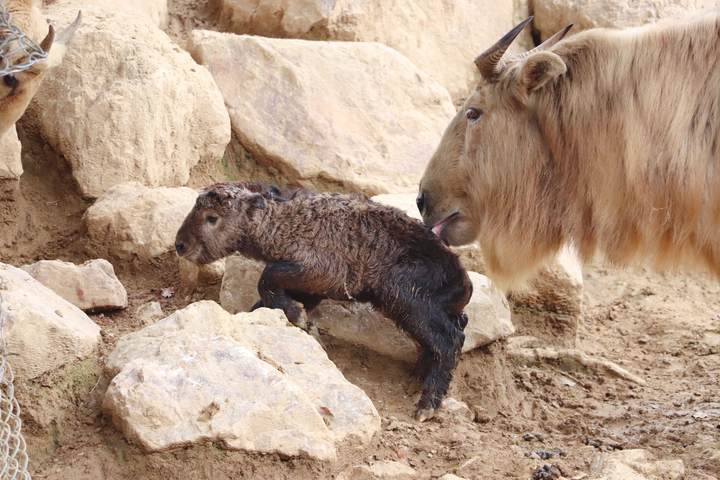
x=211 y=219
x=473 y=113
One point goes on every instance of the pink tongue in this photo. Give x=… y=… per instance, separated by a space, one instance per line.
x=438 y=228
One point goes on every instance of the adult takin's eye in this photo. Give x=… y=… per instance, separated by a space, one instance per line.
x=10 y=81
x=211 y=219
x=473 y=113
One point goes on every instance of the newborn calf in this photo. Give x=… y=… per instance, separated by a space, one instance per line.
x=343 y=247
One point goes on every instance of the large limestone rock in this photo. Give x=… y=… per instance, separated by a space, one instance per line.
x=91 y=286
x=10 y=159
x=635 y=465
x=249 y=381
x=43 y=331
x=131 y=220
x=238 y=292
x=358 y=115
x=488 y=320
x=359 y=323
x=441 y=38
x=128 y=104
x=552 y=15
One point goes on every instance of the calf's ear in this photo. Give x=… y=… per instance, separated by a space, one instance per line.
x=538 y=69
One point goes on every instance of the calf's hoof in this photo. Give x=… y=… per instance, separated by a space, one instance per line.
x=424 y=414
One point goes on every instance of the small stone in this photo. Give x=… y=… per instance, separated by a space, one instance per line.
x=91 y=286
x=383 y=470
x=149 y=313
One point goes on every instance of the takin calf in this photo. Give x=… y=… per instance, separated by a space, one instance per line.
x=341 y=247
x=609 y=140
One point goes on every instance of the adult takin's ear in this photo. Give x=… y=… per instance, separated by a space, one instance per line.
x=538 y=69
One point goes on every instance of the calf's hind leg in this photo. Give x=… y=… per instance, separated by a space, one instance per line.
x=441 y=337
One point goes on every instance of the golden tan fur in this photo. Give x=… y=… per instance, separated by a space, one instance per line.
x=610 y=141
x=16 y=95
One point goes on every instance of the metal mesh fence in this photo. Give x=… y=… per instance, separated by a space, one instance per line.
x=13 y=451
x=17 y=51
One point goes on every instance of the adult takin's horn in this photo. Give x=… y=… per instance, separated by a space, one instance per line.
x=68 y=33
x=547 y=43
x=48 y=40
x=488 y=61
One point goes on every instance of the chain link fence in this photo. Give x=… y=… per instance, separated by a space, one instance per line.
x=13 y=451
x=17 y=53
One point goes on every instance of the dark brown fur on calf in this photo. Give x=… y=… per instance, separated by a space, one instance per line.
x=342 y=247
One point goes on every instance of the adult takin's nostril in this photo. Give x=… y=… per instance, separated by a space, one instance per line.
x=180 y=248
x=420 y=201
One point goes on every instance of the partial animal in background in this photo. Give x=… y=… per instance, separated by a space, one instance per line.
x=609 y=140
x=18 y=88
x=342 y=247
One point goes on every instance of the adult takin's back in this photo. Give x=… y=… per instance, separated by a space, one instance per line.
x=609 y=140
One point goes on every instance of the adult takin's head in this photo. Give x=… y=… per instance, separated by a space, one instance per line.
x=222 y=221
x=495 y=131
x=17 y=89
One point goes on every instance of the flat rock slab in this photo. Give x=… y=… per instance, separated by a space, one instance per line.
x=131 y=220
x=91 y=286
x=43 y=331
x=249 y=381
x=127 y=104
x=359 y=115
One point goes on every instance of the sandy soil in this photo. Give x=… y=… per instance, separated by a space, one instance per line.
x=665 y=328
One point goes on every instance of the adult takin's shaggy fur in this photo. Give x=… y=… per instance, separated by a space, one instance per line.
x=16 y=90
x=343 y=247
x=609 y=140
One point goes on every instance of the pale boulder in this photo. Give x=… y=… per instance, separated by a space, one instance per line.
x=553 y=15
x=441 y=38
x=131 y=220
x=91 y=286
x=43 y=332
x=358 y=323
x=635 y=465
x=358 y=115
x=128 y=104
x=10 y=155
x=249 y=382
x=238 y=292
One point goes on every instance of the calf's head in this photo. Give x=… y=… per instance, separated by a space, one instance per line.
x=220 y=223
x=493 y=148
x=16 y=90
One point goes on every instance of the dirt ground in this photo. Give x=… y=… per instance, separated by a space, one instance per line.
x=666 y=328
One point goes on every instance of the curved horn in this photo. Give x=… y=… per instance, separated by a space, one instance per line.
x=488 y=61
x=48 y=40
x=547 y=43
x=67 y=34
